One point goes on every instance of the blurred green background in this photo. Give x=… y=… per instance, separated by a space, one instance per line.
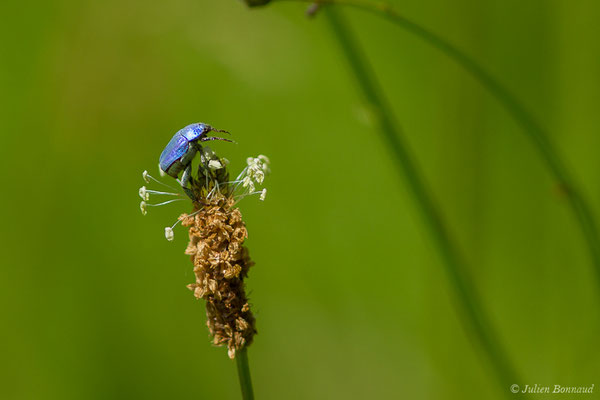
x=350 y=295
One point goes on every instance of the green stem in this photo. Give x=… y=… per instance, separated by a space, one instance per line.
x=241 y=359
x=473 y=316
x=531 y=127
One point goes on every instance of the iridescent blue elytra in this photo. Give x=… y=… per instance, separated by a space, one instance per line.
x=181 y=150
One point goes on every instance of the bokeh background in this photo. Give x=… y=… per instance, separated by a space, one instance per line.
x=350 y=295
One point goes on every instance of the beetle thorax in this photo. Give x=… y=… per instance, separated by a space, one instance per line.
x=194 y=132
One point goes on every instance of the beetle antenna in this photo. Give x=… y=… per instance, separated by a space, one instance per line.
x=207 y=139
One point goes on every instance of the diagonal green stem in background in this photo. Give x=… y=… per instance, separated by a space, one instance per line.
x=531 y=127
x=241 y=359
x=473 y=316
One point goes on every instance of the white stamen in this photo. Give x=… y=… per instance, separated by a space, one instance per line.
x=266 y=169
x=147 y=177
x=241 y=174
x=143 y=208
x=264 y=159
x=169 y=234
x=247 y=182
x=144 y=193
x=214 y=190
x=164 y=202
x=263 y=194
x=166 y=193
x=259 y=176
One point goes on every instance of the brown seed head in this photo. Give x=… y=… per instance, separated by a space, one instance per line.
x=221 y=262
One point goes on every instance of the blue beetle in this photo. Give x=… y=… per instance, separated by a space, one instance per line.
x=181 y=150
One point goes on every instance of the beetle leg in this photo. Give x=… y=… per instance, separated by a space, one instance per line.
x=185 y=179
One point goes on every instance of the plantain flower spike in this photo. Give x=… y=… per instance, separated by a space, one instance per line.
x=216 y=246
x=216 y=242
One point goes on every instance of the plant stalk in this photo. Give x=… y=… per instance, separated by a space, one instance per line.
x=472 y=314
x=243 y=368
